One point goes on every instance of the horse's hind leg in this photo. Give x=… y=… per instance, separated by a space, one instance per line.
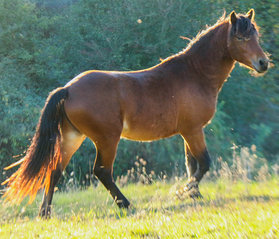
x=103 y=168
x=45 y=209
x=71 y=141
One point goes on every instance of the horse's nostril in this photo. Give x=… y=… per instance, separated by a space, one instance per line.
x=263 y=63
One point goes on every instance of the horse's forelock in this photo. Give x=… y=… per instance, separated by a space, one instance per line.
x=245 y=26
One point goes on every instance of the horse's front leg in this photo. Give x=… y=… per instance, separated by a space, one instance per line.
x=190 y=162
x=195 y=142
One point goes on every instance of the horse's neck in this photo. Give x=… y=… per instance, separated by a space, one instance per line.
x=210 y=58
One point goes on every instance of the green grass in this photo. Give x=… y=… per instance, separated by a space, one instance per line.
x=228 y=210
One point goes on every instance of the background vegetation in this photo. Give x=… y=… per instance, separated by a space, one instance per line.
x=45 y=43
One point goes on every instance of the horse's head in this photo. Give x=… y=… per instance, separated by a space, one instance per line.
x=243 y=42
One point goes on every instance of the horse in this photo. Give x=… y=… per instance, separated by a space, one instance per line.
x=177 y=96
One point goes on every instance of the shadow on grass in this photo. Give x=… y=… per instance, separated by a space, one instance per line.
x=220 y=202
x=180 y=206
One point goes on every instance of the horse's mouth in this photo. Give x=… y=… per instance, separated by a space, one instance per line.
x=259 y=71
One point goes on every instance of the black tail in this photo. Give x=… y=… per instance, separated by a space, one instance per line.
x=43 y=155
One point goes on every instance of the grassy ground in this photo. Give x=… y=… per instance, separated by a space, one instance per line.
x=228 y=210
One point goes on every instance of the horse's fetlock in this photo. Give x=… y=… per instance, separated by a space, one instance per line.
x=204 y=167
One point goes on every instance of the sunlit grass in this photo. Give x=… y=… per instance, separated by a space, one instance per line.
x=228 y=210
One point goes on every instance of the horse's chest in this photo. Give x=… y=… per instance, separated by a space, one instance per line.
x=196 y=111
x=207 y=114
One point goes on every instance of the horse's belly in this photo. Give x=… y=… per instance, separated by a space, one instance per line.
x=147 y=132
x=145 y=136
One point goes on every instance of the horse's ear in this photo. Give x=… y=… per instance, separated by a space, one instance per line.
x=251 y=14
x=233 y=18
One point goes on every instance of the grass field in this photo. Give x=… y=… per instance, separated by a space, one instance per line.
x=228 y=210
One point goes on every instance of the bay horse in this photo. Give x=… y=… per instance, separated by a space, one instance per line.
x=177 y=96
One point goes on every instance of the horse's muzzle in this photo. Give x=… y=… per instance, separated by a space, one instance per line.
x=261 y=65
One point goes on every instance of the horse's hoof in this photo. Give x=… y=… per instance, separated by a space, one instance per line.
x=123 y=203
x=45 y=213
x=192 y=190
x=194 y=193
